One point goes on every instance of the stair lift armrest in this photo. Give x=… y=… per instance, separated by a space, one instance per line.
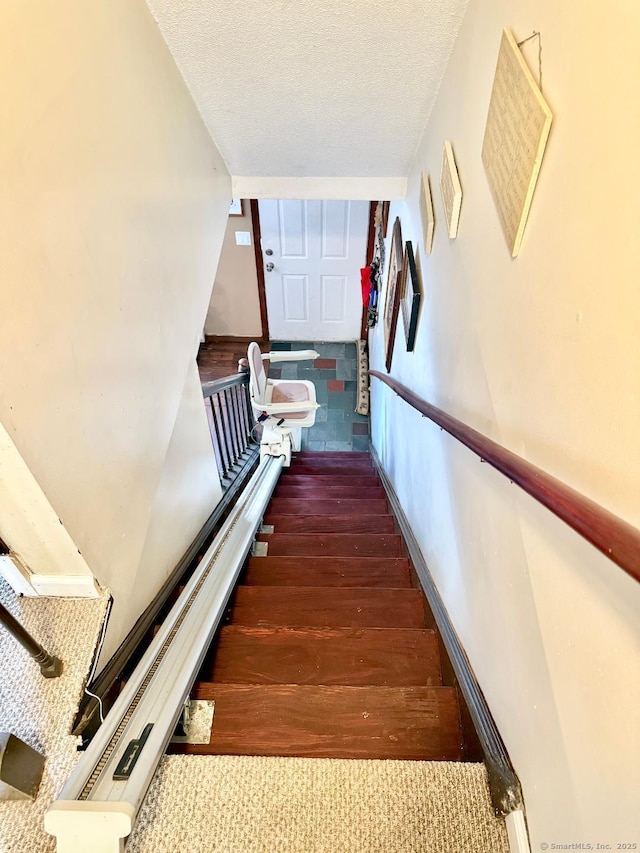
x=295 y=355
x=273 y=408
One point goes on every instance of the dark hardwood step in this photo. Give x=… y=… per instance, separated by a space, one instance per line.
x=330 y=523
x=332 y=457
x=418 y=723
x=324 y=607
x=348 y=479
x=315 y=491
x=327 y=473
x=328 y=571
x=302 y=506
x=323 y=455
x=398 y=657
x=333 y=544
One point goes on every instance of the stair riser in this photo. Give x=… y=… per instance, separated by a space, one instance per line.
x=329 y=474
x=332 y=607
x=301 y=506
x=385 y=572
x=419 y=723
x=343 y=656
x=330 y=524
x=332 y=544
x=303 y=480
x=323 y=493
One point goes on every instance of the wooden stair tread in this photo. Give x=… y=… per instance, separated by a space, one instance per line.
x=319 y=455
x=398 y=657
x=314 y=491
x=418 y=723
x=333 y=544
x=328 y=571
x=357 y=523
x=328 y=472
x=349 y=478
x=320 y=607
x=313 y=506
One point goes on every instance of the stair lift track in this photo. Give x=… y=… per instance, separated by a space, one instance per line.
x=98 y=805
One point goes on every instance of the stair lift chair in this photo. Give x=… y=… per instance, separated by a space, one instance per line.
x=283 y=406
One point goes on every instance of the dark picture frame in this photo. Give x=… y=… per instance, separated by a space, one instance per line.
x=411 y=296
x=385 y=216
x=393 y=292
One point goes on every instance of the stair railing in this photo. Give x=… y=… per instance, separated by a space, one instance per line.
x=98 y=806
x=231 y=423
x=615 y=538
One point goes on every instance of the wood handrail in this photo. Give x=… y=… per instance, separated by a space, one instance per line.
x=615 y=538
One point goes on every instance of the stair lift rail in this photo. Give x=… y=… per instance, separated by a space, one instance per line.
x=98 y=805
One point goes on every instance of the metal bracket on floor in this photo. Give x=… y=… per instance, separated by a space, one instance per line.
x=266 y=528
x=196 y=723
x=259 y=549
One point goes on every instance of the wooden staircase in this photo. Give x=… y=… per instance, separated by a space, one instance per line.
x=329 y=647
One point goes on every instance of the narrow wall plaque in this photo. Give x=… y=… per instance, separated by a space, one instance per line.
x=450 y=189
x=515 y=137
x=426 y=213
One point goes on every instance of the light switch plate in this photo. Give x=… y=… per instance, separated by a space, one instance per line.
x=243 y=238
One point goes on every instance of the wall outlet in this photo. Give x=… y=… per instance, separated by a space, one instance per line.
x=243 y=238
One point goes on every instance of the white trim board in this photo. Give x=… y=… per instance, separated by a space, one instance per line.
x=344 y=189
x=517 y=832
x=65 y=586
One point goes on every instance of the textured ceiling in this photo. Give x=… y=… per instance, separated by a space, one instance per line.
x=340 y=88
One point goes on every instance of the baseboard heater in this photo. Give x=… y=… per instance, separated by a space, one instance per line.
x=98 y=806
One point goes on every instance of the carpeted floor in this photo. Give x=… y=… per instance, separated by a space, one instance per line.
x=222 y=804
x=219 y=804
x=40 y=710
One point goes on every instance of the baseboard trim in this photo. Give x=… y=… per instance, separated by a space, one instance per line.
x=16 y=575
x=506 y=793
x=517 y=832
x=65 y=586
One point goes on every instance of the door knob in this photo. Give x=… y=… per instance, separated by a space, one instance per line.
x=269 y=267
x=269 y=252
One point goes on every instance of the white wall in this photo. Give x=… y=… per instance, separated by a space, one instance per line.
x=114 y=204
x=542 y=354
x=235 y=307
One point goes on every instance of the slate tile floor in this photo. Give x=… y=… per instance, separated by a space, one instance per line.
x=337 y=426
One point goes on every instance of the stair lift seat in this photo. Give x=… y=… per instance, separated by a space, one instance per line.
x=289 y=404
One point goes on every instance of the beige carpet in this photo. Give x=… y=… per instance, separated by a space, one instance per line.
x=40 y=710
x=297 y=805
x=228 y=804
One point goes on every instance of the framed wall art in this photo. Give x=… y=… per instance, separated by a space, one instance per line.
x=518 y=125
x=426 y=214
x=394 y=292
x=450 y=189
x=410 y=299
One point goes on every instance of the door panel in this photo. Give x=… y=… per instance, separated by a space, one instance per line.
x=313 y=251
x=296 y=298
x=335 y=230
x=334 y=304
x=292 y=226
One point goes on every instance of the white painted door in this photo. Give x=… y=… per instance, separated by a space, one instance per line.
x=312 y=253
